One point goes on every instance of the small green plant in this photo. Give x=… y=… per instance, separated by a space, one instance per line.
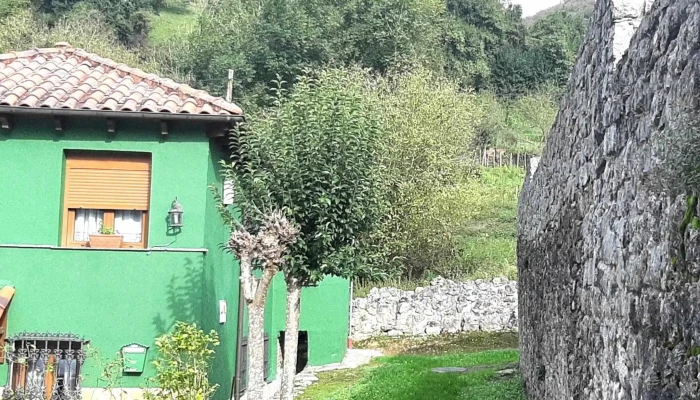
x=105 y=230
x=678 y=150
x=110 y=378
x=695 y=223
x=182 y=366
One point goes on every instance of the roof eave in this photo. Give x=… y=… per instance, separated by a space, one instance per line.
x=158 y=116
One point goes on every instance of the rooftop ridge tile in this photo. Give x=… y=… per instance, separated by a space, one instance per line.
x=83 y=80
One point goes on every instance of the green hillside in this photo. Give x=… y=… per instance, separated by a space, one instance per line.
x=172 y=23
x=583 y=8
x=454 y=88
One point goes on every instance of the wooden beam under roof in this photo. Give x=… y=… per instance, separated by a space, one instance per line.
x=111 y=126
x=59 y=124
x=6 y=122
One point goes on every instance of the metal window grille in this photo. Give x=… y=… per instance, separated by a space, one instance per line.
x=44 y=366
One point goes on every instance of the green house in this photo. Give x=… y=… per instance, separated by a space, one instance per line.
x=90 y=146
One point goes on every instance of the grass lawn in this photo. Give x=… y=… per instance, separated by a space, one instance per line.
x=489 y=239
x=409 y=376
x=443 y=344
x=171 y=24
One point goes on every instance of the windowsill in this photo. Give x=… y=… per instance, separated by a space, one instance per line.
x=147 y=250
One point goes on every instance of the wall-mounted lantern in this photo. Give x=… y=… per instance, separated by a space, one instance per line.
x=175 y=215
x=134 y=358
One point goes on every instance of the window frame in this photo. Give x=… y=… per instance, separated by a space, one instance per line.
x=107 y=221
x=96 y=157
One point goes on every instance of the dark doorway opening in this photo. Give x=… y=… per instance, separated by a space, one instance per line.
x=302 y=349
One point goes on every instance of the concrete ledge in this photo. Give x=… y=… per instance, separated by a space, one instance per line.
x=114 y=394
x=148 y=250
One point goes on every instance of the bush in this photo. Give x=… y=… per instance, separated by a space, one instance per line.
x=520 y=125
x=183 y=363
x=429 y=124
x=677 y=150
x=11 y=7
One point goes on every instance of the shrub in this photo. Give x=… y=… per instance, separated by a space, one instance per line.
x=429 y=124
x=182 y=366
x=677 y=151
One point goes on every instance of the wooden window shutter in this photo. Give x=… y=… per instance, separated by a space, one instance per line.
x=107 y=181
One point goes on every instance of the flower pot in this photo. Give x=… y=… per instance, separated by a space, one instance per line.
x=106 y=241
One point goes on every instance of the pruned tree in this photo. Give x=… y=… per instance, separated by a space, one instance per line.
x=314 y=155
x=264 y=250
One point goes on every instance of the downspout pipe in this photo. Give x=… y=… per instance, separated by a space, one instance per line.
x=239 y=344
x=157 y=116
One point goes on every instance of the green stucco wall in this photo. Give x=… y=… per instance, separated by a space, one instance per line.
x=32 y=158
x=221 y=277
x=325 y=316
x=114 y=298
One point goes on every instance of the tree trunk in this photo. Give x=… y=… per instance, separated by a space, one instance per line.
x=256 y=351
x=291 y=339
x=256 y=335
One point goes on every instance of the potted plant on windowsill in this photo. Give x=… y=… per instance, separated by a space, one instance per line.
x=106 y=239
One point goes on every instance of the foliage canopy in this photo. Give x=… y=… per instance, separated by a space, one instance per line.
x=315 y=155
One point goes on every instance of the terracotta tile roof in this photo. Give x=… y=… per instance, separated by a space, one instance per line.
x=67 y=78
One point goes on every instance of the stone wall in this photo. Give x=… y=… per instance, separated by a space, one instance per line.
x=443 y=307
x=609 y=283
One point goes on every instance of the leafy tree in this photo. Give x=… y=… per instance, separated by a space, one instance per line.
x=315 y=156
x=221 y=41
x=475 y=30
x=11 y=7
x=291 y=37
x=545 y=59
x=516 y=71
x=381 y=34
x=567 y=27
x=129 y=18
x=261 y=41
x=429 y=125
x=466 y=59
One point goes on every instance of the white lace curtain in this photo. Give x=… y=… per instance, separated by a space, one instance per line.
x=87 y=222
x=129 y=224
x=126 y=223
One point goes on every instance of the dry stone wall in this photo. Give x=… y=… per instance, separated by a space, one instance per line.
x=609 y=300
x=443 y=307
